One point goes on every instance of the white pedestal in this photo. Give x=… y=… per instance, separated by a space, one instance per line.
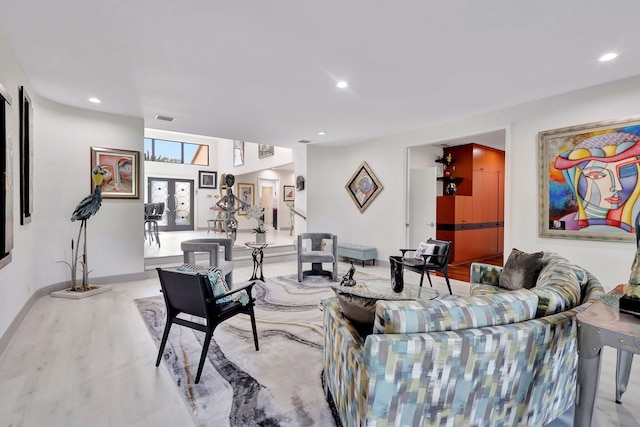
x=67 y=293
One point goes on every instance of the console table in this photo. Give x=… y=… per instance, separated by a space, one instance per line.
x=599 y=325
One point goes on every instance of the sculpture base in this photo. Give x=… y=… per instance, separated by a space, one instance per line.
x=68 y=293
x=630 y=305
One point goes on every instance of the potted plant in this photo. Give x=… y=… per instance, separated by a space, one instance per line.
x=257 y=213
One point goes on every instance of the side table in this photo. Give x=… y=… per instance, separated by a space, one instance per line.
x=600 y=325
x=215 y=225
x=257 y=255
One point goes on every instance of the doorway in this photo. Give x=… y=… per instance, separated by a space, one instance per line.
x=420 y=160
x=268 y=195
x=177 y=195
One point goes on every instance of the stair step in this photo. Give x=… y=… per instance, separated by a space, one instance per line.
x=241 y=257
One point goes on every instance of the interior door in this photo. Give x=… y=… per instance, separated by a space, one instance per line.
x=177 y=195
x=422 y=205
x=266 y=201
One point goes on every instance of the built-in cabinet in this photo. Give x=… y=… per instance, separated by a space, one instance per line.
x=473 y=218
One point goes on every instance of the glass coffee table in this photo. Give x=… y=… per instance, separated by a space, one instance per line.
x=380 y=285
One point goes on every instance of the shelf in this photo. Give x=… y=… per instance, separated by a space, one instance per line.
x=444 y=161
x=449 y=179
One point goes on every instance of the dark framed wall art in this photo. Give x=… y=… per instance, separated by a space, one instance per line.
x=26 y=157
x=208 y=179
x=6 y=182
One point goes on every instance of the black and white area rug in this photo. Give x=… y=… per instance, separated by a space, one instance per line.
x=277 y=386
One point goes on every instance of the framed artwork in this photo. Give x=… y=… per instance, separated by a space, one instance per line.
x=289 y=193
x=6 y=181
x=123 y=172
x=238 y=153
x=26 y=157
x=265 y=151
x=363 y=186
x=246 y=193
x=589 y=181
x=208 y=179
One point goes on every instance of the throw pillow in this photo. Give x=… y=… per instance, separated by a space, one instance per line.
x=359 y=305
x=521 y=270
x=218 y=284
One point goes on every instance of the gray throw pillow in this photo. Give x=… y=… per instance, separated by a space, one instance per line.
x=521 y=270
x=359 y=305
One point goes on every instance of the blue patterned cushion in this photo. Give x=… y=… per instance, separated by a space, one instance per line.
x=218 y=284
x=406 y=317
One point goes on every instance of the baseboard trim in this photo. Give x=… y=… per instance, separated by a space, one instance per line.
x=46 y=290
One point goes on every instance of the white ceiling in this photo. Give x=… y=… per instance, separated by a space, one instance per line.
x=265 y=71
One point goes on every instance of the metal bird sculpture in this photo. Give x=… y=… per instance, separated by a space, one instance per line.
x=87 y=207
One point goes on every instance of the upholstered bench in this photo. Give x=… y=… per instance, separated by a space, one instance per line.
x=360 y=252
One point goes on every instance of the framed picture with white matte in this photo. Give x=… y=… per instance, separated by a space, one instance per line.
x=208 y=179
x=289 y=193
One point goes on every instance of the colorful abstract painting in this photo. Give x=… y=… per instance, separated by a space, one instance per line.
x=589 y=184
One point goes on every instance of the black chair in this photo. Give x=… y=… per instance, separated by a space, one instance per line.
x=438 y=261
x=190 y=293
x=153 y=212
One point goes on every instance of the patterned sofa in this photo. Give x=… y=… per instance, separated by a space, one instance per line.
x=497 y=358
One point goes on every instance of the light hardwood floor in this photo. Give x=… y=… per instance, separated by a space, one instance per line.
x=91 y=363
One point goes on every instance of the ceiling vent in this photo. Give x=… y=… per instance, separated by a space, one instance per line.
x=304 y=141
x=165 y=118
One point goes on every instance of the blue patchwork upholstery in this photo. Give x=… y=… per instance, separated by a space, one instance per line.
x=486 y=365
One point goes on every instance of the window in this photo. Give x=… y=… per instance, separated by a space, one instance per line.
x=160 y=150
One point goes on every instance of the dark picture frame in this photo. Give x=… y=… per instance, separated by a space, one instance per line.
x=208 y=179
x=123 y=172
x=6 y=181
x=363 y=187
x=289 y=193
x=26 y=157
x=589 y=180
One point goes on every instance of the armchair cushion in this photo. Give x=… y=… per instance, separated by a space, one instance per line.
x=558 y=287
x=359 y=305
x=218 y=284
x=521 y=270
x=407 y=317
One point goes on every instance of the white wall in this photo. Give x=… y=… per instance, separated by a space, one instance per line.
x=382 y=224
x=62 y=177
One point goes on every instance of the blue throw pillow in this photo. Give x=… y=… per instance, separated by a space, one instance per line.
x=218 y=284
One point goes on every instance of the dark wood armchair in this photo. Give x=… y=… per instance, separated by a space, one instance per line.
x=191 y=293
x=437 y=261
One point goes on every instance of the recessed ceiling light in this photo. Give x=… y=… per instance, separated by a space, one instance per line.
x=322 y=133
x=342 y=85
x=94 y=100
x=608 y=57
x=304 y=141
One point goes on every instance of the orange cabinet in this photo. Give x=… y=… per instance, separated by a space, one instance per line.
x=473 y=218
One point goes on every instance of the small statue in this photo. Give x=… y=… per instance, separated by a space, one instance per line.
x=347 y=279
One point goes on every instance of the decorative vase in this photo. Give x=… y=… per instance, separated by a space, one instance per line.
x=451 y=188
x=397 y=270
x=261 y=238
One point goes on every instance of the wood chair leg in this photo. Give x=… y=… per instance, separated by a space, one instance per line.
x=165 y=335
x=429 y=277
x=446 y=277
x=253 y=326
x=203 y=356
